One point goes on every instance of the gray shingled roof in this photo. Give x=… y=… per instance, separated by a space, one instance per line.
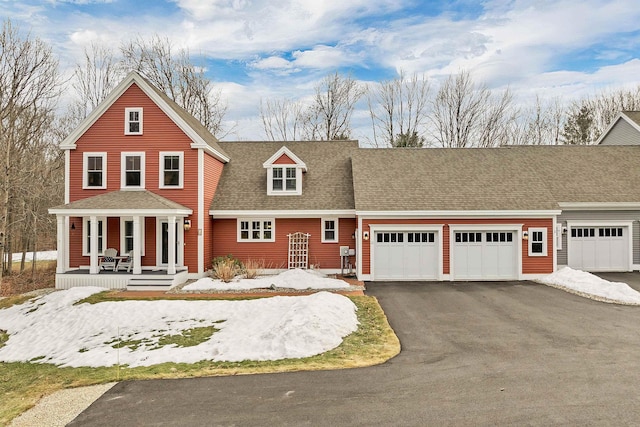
x=194 y=123
x=446 y=180
x=327 y=184
x=125 y=200
x=589 y=174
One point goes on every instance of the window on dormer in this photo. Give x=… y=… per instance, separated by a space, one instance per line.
x=291 y=179
x=133 y=121
x=284 y=173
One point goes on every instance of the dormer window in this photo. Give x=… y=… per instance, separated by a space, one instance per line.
x=284 y=173
x=133 y=121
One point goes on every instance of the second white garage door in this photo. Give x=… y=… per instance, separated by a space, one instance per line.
x=405 y=255
x=484 y=255
x=599 y=248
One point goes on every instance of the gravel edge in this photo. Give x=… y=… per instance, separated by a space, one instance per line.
x=60 y=408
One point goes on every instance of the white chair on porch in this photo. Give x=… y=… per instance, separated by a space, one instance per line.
x=108 y=260
x=126 y=263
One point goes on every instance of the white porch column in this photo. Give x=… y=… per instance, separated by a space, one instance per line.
x=93 y=227
x=171 y=250
x=137 y=246
x=61 y=244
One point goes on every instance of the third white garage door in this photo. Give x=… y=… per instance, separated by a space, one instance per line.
x=484 y=255
x=599 y=248
x=405 y=255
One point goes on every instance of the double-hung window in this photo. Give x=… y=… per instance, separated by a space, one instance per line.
x=94 y=170
x=537 y=242
x=284 y=180
x=126 y=236
x=256 y=230
x=133 y=121
x=171 y=169
x=132 y=175
x=86 y=236
x=329 y=230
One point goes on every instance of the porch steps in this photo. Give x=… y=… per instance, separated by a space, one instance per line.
x=155 y=284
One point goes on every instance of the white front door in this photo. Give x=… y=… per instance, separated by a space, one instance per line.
x=162 y=245
x=484 y=255
x=405 y=255
x=594 y=248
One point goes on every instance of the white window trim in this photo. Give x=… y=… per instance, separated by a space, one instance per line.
x=337 y=236
x=544 y=241
x=161 y=184
x=123 y=237
x=85 y=171
x=85 y=231
x=123 y=170
x=284 y=191
x=126 y=120
x=261 y=239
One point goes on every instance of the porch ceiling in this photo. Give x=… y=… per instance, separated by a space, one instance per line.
x=123 y=203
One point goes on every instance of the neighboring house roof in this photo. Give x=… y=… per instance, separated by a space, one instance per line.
x=585 y=174
x=469 y=179
x=624 y=129
x=327 y=184
x=122 y=201
x=192 y=127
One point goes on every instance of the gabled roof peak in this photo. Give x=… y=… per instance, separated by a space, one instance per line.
x=284 y=151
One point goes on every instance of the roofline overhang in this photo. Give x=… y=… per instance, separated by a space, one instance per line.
x=458 y=214
x=578 y=206
x=620 y=115
x=315 y=213
x=120 y=212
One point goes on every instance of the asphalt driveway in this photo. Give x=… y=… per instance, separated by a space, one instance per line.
x=472 y=354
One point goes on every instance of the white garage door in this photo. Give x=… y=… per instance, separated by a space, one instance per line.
x=484 y=255
x=405 y=255
x=599 y=248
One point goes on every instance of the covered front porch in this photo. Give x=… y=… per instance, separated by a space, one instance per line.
x=147 y=228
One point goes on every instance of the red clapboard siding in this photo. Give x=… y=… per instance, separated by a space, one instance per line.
x=325 y=255
x=530 y=265
x=212 y=172
x=284 y=160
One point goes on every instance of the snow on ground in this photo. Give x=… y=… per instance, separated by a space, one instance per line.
x=41 y=256
x=51 y=329
x=294 y=279
x=588 y=283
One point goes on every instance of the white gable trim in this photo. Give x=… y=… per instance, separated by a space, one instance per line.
x=69 y=142
x=623 y=116
x=284 y=150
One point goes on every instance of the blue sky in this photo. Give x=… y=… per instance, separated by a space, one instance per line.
x=258 y=49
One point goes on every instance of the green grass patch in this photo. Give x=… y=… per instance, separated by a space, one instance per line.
x=4 y=337
x=23 y=384
x=189 y=337
x=14 y=300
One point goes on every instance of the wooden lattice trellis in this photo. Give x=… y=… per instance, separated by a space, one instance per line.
x=299 y=250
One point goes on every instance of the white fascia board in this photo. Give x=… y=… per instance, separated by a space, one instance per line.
x=456 y=214
x=622 y=116
x=120 y=212
x=599 y=206
x=406 y=227
x=600 y=223
x=209 y=150
x=289 y=153
x=283 y=214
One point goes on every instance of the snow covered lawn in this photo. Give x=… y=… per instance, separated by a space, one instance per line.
x=41 y=256
x=586 y=283
x=51 y=329
x=293 y=279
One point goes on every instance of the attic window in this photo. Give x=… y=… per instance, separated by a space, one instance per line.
x=133 y=121
x=284 y=173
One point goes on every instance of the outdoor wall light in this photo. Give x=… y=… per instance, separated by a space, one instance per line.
x=187 y=224
x=353 y=236
x=365 y=235
x=564 y=230
x=73 y=225
x=525 y=235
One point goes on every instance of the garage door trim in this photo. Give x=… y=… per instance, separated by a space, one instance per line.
x=610 y=223
x=375 y=228
x=515 y=228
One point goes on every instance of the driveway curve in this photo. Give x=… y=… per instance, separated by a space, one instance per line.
x=472 y=354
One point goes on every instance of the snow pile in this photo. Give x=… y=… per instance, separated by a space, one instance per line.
x=294 y=279
x=588 y=283
x=51 y=329
x=41 y=256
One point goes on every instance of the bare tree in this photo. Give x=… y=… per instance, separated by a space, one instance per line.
x=282 y=119
x=29 y=90
x=329 y=117
x=468 y=115
x=175 y=74
x=399 y=110
x=94 y=78
x=540 y=124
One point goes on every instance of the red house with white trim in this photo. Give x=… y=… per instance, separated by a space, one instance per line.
x=145 y=178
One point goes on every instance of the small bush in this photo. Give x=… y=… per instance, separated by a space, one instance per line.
x=253 y=267
x=225 y=269
x=229 y=258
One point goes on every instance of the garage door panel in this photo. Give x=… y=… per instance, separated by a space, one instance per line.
x=491 y=255
x=413 y=255
x=599 y=248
